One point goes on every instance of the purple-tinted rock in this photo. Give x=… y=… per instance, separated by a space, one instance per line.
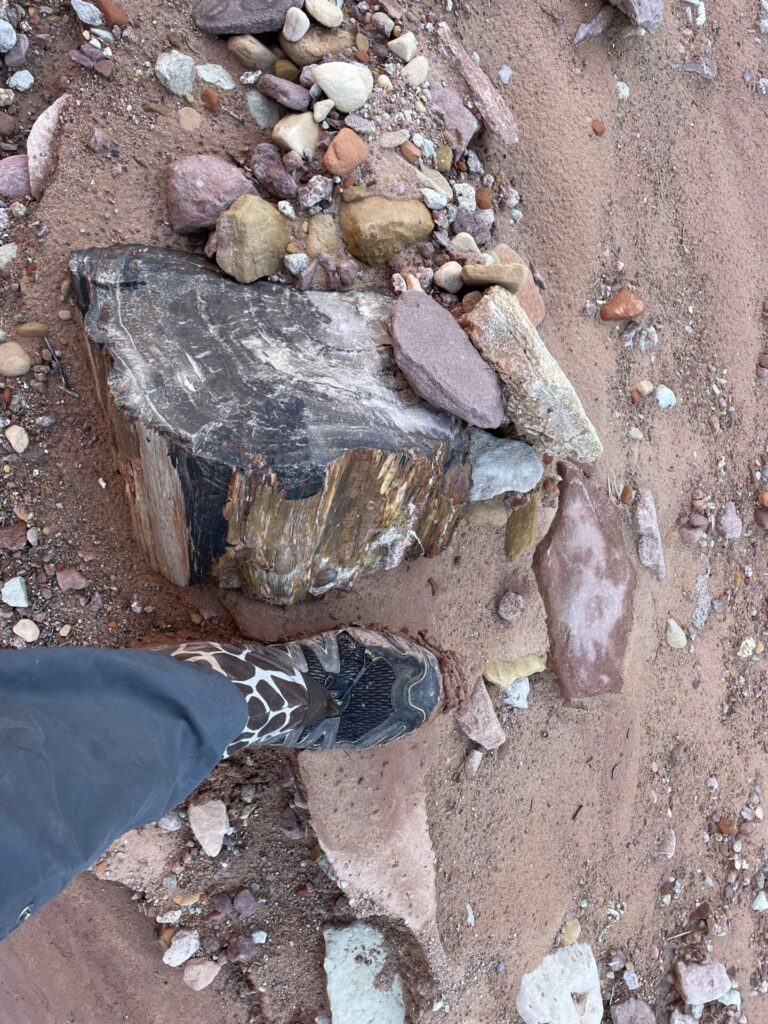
x=632 y=1011
x=222 y=903
x=234 y=17
x=199 y=188
x=14 y=177
x=245 y=903
x=16 y=57
x=479 y=224
x=587 y=583
x=83 y=59
x=478 y=719
x=702 y=983
x=268 y=169
x=649 y=549
x=289 y=94
x=317 y=190
x=647 y=14
x=241 y=949
x=441 y=363
x=729 y=522
x=458 y=119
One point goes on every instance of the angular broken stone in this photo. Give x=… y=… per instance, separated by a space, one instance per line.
x=632 y=1011
x=521 y=528
x=563 y=989
x=701 y=983
x=209 y=822
x=647 y=14
x=587 y=583
x=233 y=17
x=595 y=27
x=201 y=973
x=441 y=364
x=457 y=117
x=185 y=944
x=478 y=719
x=362 y=987
x=649 y=549
x=199 y=188
x=538 y=397
x=256 y=424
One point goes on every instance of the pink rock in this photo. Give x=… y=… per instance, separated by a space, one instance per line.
x=42 y=146
x=632 y=1011
x=458 y=119
x=14 y=177
x=200 y=973
x=71 y=579
x=587 y=583
x=702 y=983
x=478 y=719
x=199 y=188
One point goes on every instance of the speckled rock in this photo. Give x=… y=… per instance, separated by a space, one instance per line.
x=478 y=719
x=500 y=465
x=377 y=229
x=233 y=17
x=175 y=71
x=649 y=548
x=185 y=944
x=701 y=983
x=251 y=239
x=587 y=583
x=648 y=14
x=313 y=46
x=458 y=119
x=200 y=188
x=271 y=173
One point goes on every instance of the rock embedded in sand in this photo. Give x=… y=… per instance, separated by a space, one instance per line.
x=251 y=52
x=440 y=363
x=175 y=71
x=265 y=112
x=459 y=121
x=209 y=822
x=478 y=719
x=376 y=229
x=700 y=983
x=563 y=989
x=348 y=85
x=251 y=239
x=416 y=72
x=200 y=188
x=201 y=973
x=7 y=36
x=625 y=305
x=510 y=606
x=87 y=13
x=184 y=945
x=14 y=361
x=538 y=397
x=113 y=15
x=729 y=522
x=232 y=17
x=587 y=583
x=647 y=14
x=363 y=987
x=500 y=465
x=632 y=1011
x=520 y=534
x=345 y=153
x=675 y=635
x=313 y=47
x=297 y=132
x=649 y=548
x=14 y=177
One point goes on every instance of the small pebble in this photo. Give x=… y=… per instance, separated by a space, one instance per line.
x=675 y=635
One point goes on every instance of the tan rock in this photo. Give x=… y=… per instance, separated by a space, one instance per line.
x=297 y=132
x=251 y=239
x=485 y=275
x=313 y=46
x=348 y=84
x=209 y=820
x=539 y=399
x=199 y=974
x=14 y=361
x=324 y=12
x=478 y=719
x=322 y=236
x=529 y=296
x=376 y=229
x=251 y=53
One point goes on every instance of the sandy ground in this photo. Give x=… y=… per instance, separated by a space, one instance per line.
x=568 y=824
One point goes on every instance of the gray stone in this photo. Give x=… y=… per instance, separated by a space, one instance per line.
x=233 y=17
x=199 y=188
x=516 y=694
x=458 y=119
x=440 y=362
x=184 y=945
x=215 y=74
x=7 y=36
x=595 y=27
x=288 y=94
x=175 y=71
x=478 y=224
x=563 y=989
x=14 y=593
x=729 y=524
x=362 y=988
x=701 y=983
x=264 y=111
x=270 y=172
x=632 y=1011
x=296 y=263
x=587 y=583
x=647 y=14
x=21 y=81
x=170 y=822
x=500 y=465
x=538 y=397
x=478 y=720
x=649 y=548
x=88 y=13
x=209 y=822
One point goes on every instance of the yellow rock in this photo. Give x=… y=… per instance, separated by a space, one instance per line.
x=33 y=329
x=504 y=673
x=571 y=932
x=521 y=529
x=488 y=513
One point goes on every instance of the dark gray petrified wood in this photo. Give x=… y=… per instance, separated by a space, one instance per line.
x=264 y=433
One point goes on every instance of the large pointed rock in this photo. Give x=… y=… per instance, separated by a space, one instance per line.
x=587 y=583
x=264 y=434
x=538 y=397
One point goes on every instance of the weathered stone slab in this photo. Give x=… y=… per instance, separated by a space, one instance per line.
x=264 y=433
x=587 y=583
x=564 y=989
x=233 y=17
x=362 y=988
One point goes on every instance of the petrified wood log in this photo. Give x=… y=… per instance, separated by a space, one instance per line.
x=264 y=433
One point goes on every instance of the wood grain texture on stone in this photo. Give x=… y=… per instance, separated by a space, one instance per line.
x=264 y=434
x=587 y=583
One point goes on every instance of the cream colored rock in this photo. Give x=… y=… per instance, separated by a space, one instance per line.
x=405 y=46
x=199 y=974
x=416 y=71
x=313 y=47
x=485 y=275
x=27 y=630
x=504 y=673
x=297 y=132
x=539 y=399
x=348 y=85
x=17 y=438
x=321 y=110
x=14 y=361
x=209 y=821
x=296 y=24
x=252 y=239
x=324 y=12
x=251 y=53
x=448 y=277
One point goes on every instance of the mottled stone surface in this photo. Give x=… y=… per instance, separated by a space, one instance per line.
x=42 y=146
x=313 y=46
x=457 y=117
x=701 y=983
x=277 y=411
x=251 y=239
x=14 y=177
x=632 y=1011
x=649 y=549
x=501 y=464
x=199 y=188
x=363 y=988
x=587 y=583
x=564 y=989
x=233 y=17
x=538 y=397
x=377 y=229
x=648 y=14
x=478 y=719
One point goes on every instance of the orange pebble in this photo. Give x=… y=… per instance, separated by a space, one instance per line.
x=598 y=127
x=210 y=100
x=410 y=151
x=484 y=198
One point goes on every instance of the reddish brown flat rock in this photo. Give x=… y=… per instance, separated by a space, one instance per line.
x=625 y=305
x=587 y=583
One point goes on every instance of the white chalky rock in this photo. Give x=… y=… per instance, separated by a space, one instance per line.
x=564 y=989
x=183 y=946
x=296 y=24
x=27 y=630
x=348 y=85
x=355 y=959
x=14 y=593
x=209 y=823
x=88 y=13
x=405 y=46
x=324 y=12
x=17 y=438
x=215 y=74
x=675 y=634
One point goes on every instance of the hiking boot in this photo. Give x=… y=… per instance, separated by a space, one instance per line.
x=345 y=690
